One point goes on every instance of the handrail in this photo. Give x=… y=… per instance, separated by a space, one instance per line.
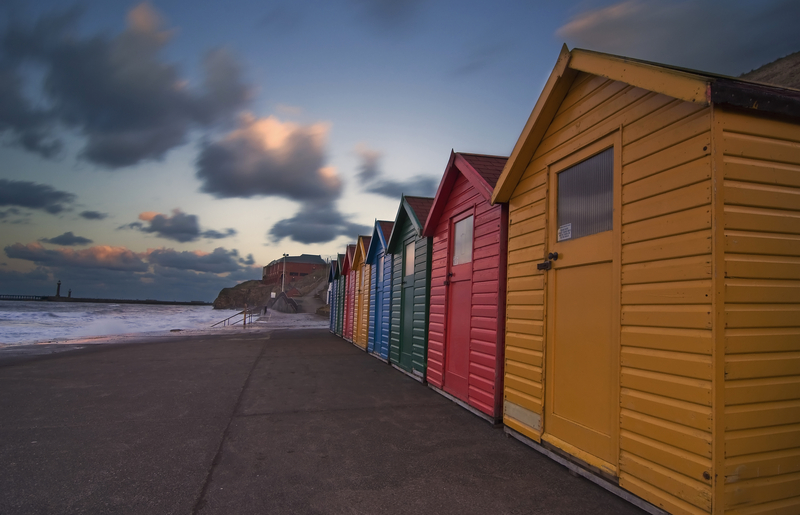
x=246 y=313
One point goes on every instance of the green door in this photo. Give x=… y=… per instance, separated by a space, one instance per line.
x=407 y=309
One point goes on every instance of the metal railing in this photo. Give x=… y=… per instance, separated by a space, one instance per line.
x=246 y=314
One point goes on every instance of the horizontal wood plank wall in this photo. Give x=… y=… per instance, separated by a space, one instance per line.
x=666 y=369
x=350 y=305
x=762 y=314
x=372 y=297
x=357 y=271
x=485 y=289
x=365 y=304
x=397 y=298
x=422 y=284
x=387 y=306
x=340 y=305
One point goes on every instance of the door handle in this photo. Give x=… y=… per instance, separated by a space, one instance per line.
x=553 y=256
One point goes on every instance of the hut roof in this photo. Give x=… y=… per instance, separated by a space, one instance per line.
x=684 y=84
x=416 y=209
x=482 y=171
x=380 y=236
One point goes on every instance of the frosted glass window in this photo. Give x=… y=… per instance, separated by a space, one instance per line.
x=586 y=197
x=380 y=269
x=409 y=259
x=462 y=241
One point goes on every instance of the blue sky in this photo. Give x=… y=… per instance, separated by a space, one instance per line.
x=171 y=148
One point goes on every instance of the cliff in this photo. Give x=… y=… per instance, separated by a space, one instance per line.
x=254 y=293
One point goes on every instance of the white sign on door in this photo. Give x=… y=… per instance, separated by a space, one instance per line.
x=565 y=232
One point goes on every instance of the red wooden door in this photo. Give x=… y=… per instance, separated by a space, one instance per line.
x=459 y=306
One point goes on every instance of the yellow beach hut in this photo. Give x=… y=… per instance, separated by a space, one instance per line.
x=363 y=282
x=653 y=291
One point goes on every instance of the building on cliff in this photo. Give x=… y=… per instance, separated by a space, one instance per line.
x=296 y=267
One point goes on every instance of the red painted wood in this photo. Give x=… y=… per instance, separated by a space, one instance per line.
x=474 y=374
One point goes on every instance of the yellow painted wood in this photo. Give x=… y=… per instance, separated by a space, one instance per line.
x=677 y=340
x=657 y=496
x=678 y=365
x=688 y=464
x=668 y=225
x=758 y=219
x=768 y=389
x=741 y=242
x=680 y=269
x=637 y=376
x=666 y=158
x=687 y=489
x=669 y=180
x=681 y=412
x=696 y=124
x=687 y=317
x=671 y=202
x=526 y=401
x=522 y=429
x=668 y=111
x=675 y=83
x=683 y=245
x=761 y=193
x=764 y=172
x=677 y=435
x=762 y=339
x=683 y=292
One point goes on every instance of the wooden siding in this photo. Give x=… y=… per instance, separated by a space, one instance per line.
x=484 y=380
x=364 y=295
x=381 y=348
x=761 y=172
x=350 y=300
x=422 y=260
x=340 y=305
x=665 y=342
x=372 y=298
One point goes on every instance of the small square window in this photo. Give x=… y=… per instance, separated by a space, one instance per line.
x=586 y=197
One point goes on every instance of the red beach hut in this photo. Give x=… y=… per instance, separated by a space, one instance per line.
x=468 y=283
x=349 y=292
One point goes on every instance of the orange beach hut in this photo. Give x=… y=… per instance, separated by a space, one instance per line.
x=653 y=329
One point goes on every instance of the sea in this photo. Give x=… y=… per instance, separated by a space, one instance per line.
x=24 y=323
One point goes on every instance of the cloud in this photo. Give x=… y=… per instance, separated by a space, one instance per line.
x=34 y=196
x=728 y=37
x=93 y=215
x=217 y=262
x=391 y=15
x=67 y=239
x=419 y=185
x=128 y=103
x=180 y=227
x=265 y=156
x=316 y=224
x=373 y=180
x=103 y=257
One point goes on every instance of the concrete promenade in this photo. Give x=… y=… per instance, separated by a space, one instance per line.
x=283 y=422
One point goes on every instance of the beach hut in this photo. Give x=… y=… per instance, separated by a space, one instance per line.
x=411 y=280
x=653 y=305
x=340 y=289
x=333 y=278
x=362 y=284
x=380 y=300
x=468 y=282
x=349 y=293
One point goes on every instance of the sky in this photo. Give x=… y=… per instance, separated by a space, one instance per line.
x=171 y=148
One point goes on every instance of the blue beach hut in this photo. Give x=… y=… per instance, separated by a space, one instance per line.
x=380 y=299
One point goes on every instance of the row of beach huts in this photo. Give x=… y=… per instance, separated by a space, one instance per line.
x=622 y=293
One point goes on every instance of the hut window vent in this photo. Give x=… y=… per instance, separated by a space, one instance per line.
x=586 y=197
x=462 y=242
x=409 y=259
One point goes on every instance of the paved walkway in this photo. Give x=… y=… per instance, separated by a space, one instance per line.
x=287 y=422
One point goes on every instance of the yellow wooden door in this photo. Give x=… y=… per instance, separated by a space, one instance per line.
x=582 y=392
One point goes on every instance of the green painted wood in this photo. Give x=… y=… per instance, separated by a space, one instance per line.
x=409 y=318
